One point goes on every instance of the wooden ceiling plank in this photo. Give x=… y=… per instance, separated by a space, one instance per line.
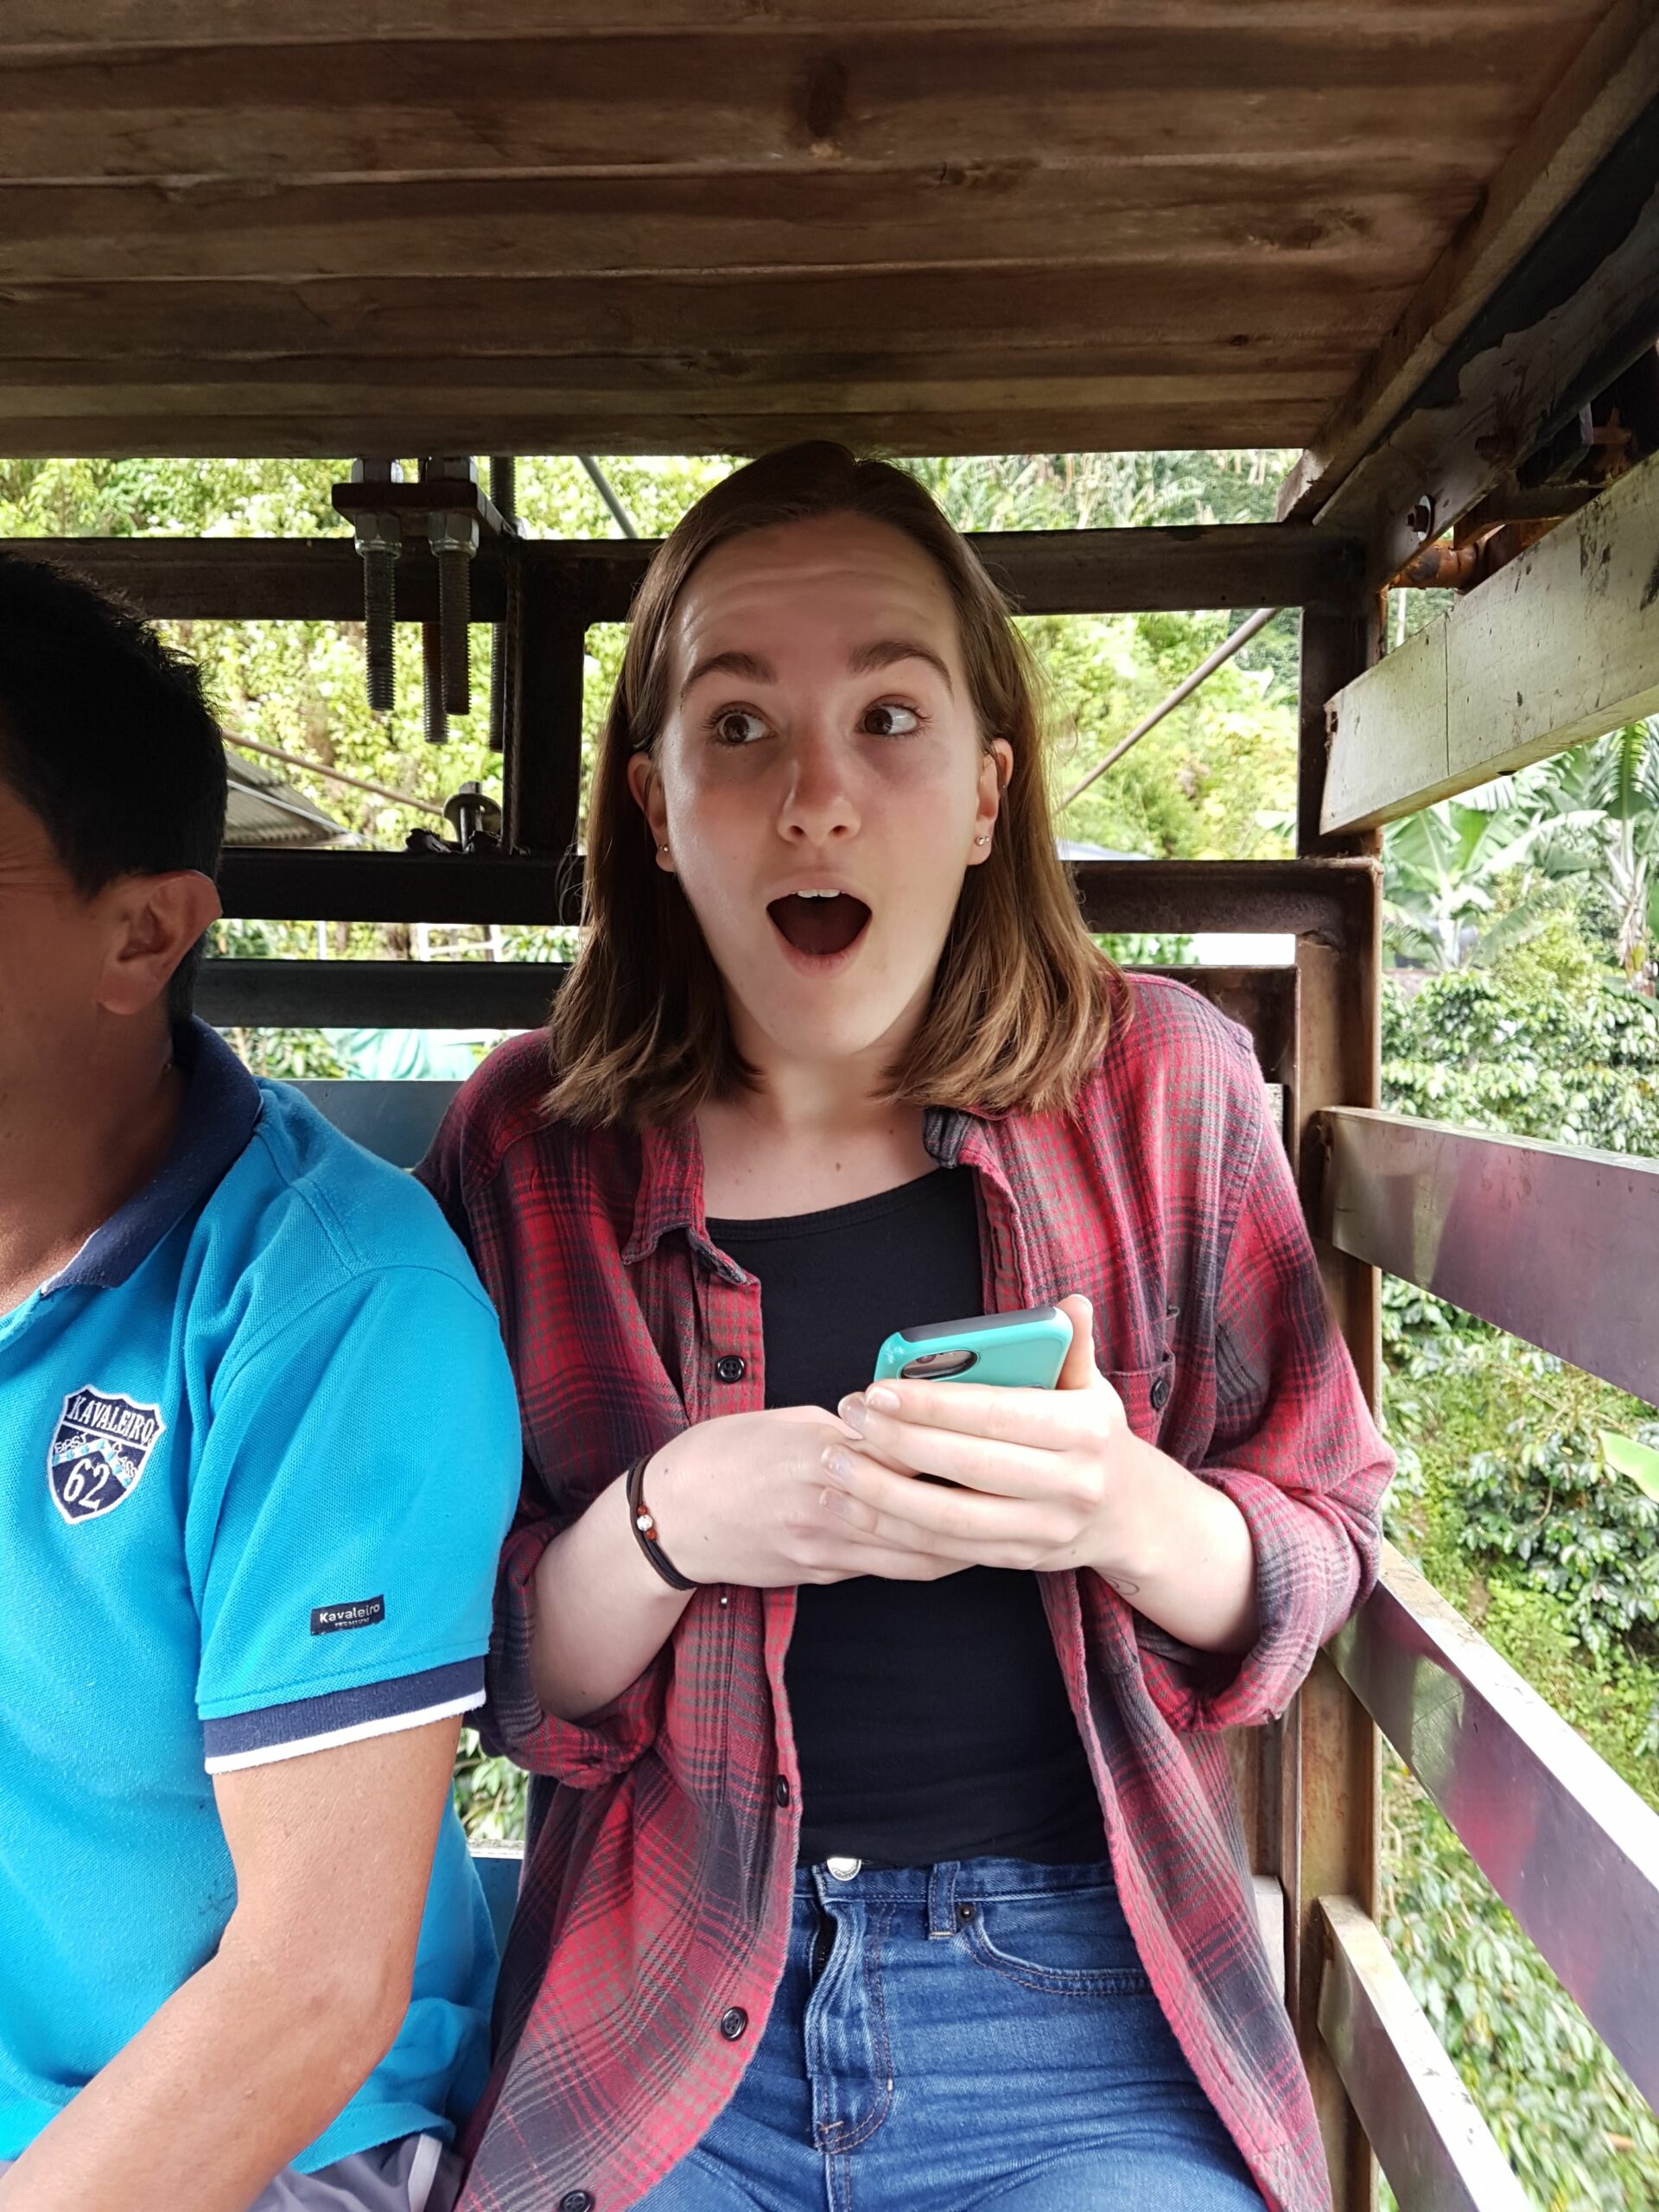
x=1613 y=79
x=969 y=98
x=558 y=229
x=190 y=431
x=104 y=26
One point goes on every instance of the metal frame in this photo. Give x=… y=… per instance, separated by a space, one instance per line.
x=1568 y=1846
x=1550 y=1243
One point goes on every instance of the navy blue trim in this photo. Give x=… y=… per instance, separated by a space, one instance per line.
x=273 y=1724
x=221 y=1106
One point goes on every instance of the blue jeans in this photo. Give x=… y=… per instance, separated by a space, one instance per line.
x=954 y=2037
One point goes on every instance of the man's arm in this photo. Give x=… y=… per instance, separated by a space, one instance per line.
x=255 y=2055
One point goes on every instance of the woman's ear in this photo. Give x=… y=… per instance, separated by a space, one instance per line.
x=995 y=769
x=646 y=786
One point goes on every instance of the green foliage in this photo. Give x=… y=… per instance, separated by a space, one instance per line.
x=490 y=1794
x=1550 y=1508
x=1565 y=2113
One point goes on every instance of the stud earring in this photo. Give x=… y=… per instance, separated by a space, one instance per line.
x=662 y=849
x=984 y=840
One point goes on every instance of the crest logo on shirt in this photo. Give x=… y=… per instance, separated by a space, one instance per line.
x=100 y=1448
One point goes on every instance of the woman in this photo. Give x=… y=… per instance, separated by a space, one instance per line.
x=893 y=1860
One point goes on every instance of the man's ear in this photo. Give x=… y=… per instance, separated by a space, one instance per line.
x=647 y=787
x=153 y=922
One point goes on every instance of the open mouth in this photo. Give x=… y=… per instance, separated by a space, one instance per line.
x=820 y=925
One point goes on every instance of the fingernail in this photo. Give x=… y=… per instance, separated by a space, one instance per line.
x=836 y=1501
x=837 y=1461
x=883 y=1401
x=851 y=1410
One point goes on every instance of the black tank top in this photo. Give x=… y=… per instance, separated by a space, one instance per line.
x=931 y=1720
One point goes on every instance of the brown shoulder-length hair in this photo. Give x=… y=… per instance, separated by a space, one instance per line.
x=1022 y=1000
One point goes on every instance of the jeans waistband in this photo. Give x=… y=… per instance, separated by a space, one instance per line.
x=939 y=1888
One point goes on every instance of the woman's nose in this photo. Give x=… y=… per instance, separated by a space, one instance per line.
x=818 y=801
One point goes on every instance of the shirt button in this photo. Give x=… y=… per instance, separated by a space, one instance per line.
x=1160 y=1394
x=576 y=2200
x=733 y=2022
x=731 y=1367
x=780 y=1789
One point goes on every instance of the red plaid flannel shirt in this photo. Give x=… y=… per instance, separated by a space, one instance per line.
x=655 y=1901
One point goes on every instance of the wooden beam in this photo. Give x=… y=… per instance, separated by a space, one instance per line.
x=1438 y=2153
x=1003 y=91
x=1559 y=646
x=1329 y=902
x=1043 y=572
x=1425 y=393
x=103 y=26
x=1325 y=1754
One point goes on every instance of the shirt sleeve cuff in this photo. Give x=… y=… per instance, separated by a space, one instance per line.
x=514 y=1723
x=1314 y=1564
x=318 y=1724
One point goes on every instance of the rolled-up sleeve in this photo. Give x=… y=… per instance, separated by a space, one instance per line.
x=514 y=1722
x=1295 y=1448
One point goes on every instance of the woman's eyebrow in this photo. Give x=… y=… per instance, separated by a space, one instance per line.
x=749 y=665
x=886 y=651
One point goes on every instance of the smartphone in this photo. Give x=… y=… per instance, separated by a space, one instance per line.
x=1023 y=1350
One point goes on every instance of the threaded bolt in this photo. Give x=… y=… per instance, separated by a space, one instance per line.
x=379 y=575
x=455 y=619
x=437 y=717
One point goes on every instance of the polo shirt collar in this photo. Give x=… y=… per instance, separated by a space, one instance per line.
x=222 y=1102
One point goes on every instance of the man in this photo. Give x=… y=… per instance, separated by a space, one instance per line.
x=258 y=1451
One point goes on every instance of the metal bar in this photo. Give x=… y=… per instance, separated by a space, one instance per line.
x=1570 y=1848
x=1044 y=572
x=542 y=772
x=1438 y=2153
x=1183 y=691
x=1327 y=900
x=601 y=483
x=1551 y=1243
x=516 y=994
x=376 y=994
x=334 y=775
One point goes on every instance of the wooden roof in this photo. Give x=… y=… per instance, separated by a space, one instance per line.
x=342 y=226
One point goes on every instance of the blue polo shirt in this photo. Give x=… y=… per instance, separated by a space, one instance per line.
x=258 y=1450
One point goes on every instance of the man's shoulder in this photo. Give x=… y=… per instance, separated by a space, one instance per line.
x=305 y=1214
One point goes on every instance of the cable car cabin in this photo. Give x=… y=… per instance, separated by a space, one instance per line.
x=1421 y=244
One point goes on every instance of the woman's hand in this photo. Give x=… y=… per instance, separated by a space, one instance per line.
x=1047 y=1479
x=1043 y=1478
x=746 y=1498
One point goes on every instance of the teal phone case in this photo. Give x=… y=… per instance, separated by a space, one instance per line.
x=1022 y=1350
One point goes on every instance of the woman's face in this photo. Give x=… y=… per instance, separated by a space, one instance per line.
x=820 y=781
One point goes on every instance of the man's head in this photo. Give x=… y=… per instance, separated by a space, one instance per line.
x=111 y=816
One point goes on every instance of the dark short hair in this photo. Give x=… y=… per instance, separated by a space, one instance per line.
x=106 y=736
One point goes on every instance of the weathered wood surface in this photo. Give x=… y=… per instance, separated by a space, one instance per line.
x=1560 y=646
x=1597 y=98
x=1043 y=572
x=713 y=225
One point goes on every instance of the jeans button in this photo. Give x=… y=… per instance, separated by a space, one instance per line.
x=733 y=2022
x=843 y=1869
x=730 y=1367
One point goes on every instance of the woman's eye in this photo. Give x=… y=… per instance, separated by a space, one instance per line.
x=891 y=719
x=739 y=726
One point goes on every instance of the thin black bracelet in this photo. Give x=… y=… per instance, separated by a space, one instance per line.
x=645 y=1528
